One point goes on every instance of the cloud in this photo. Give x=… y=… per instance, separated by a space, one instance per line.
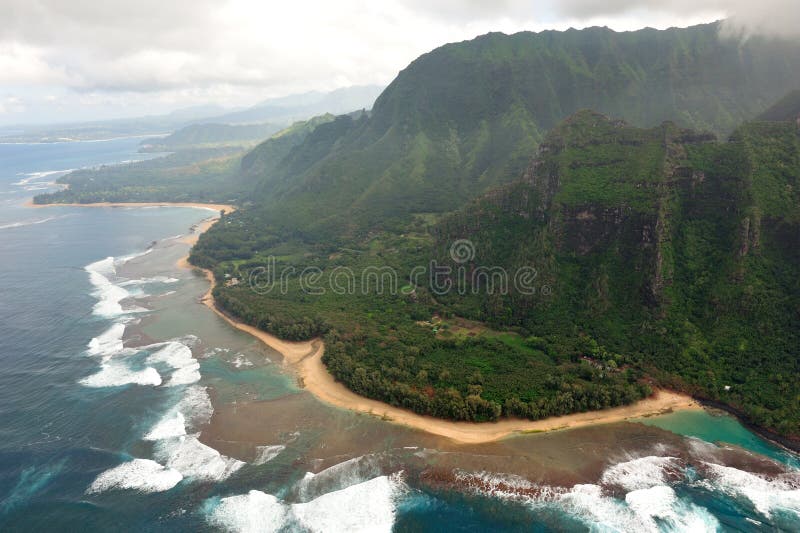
x=12 y=104
x=779 y=18
x=152 y=53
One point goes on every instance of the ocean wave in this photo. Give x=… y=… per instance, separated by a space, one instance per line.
x=193 y=459
x=654 y=508
x=178 y=356
x=115 y=373
x=642 y=473
x=108 y=294
x=109 y=342
x=183 y=452
x=170 y=426
x=265 y=454
x=33 y=176
x=369 y=506
x=339 y=476
x=241 y=361
x=23 y=223
x=780 y=494
x=661 y=509
x=126 y=258
x=254 y=512
x=141 y=475
x=148 y=281
x=192 y=411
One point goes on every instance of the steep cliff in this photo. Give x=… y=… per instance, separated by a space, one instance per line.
x=661 y=243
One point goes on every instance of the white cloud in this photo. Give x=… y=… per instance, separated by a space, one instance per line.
x=182 y=52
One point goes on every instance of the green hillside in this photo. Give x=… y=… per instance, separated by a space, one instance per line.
x=210 y=135
x=659 y=244
x=466 y=117
x=636 y=252
x=655 y=256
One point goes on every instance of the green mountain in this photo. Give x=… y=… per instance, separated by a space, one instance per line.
x=625 y=254
x=210 y=135
x=466 y=117
x=651 y=256
x=661 y=244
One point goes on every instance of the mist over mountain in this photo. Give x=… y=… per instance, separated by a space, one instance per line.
x=466 y=116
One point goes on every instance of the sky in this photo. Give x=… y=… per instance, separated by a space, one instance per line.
x=69 y=60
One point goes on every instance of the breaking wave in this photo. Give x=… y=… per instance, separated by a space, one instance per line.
x=141 y=475
x=24 y=223
x=649 y=503
x=369 y=506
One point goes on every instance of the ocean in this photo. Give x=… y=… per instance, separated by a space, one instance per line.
x=125 y=403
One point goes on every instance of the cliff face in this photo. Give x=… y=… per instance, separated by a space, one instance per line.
x=466 y=117
x=598 y=187
x=661 y=242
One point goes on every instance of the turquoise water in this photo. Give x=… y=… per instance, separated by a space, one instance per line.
x=718 y=427
x=126 y=404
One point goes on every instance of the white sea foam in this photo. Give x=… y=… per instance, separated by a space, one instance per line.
x=195 y=406
x=241 y=361
x=339 y=476
x=147 y=281
x=194 y=459
x=23 y=223
x=370 y=506
x=641 y=473
x=192 y=411
x=33 y=176
x=660 y=504
x=142 y=475
x=109 y=342
x=172 y=425
x=179 y=357
x=114 y=373
x=645 y=509
x=185 y=375
x=254 y=512
x=766 y=495
x=265 y=454
x=108 y=294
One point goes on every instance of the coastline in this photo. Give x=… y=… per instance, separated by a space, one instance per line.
x=197 y=205
x=305 y=358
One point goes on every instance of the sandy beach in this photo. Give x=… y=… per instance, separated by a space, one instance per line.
x=305 y=358
x=318 y=381
x=216 y=207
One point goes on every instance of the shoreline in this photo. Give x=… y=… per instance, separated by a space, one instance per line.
x=305 y=358
x=196 y=205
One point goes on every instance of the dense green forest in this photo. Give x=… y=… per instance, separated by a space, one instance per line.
x=653 y=253
x=668 y=258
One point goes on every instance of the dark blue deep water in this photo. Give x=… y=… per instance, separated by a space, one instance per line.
x=110 y=371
